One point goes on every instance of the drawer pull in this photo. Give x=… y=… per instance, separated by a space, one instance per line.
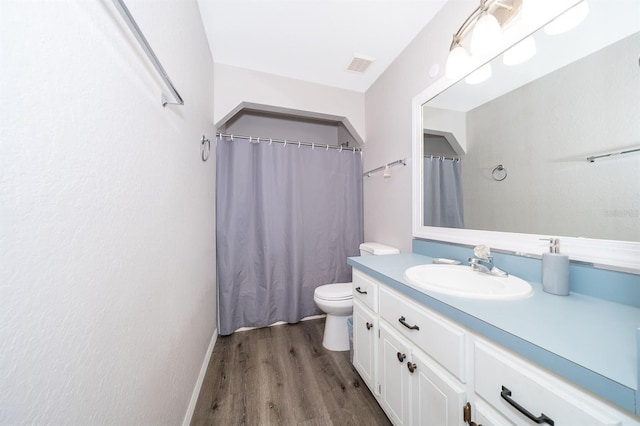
x=360 y=291
x=410 y=327
x=506 y=395
x=400 y=356
x=411 y=366
x=369 y=325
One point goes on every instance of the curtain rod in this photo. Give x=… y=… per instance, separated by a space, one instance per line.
x=254 y=139
x=393 y=163
x=144 y=44
x=442 y=157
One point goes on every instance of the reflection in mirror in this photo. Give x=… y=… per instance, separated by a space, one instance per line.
x=540 y=120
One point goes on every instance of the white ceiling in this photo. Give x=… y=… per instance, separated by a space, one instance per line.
x=314 y=40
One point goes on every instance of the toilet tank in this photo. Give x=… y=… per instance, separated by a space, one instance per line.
x=376 y=249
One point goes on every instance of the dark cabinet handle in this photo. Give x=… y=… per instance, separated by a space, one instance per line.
x=360 y=291
x=506 y=395
x=411 y=366
x=410 y=327
x=400 y=356
x=369 y=325
x=466 y=415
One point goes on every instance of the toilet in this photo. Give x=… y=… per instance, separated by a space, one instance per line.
x=336 y=300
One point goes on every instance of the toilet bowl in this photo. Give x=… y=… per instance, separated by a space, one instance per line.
x=336 y=300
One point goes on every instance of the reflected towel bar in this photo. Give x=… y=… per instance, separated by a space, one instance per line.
x=133 y=26
x=593 y=158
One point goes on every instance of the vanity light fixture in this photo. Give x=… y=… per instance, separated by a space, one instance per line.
x=568 y=20
x=486 y=34
x=486 y=21
x=521 y=52
x=478 y=76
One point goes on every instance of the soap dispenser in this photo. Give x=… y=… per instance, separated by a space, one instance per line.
x=555 y=270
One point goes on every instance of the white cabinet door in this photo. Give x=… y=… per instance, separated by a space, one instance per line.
x=436 y=399
x=394 y=376
x=365 y=339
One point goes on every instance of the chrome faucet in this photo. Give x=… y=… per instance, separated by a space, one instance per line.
x=483 y=262
x=481 y=265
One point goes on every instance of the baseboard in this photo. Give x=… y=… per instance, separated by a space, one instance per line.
x=203 y=371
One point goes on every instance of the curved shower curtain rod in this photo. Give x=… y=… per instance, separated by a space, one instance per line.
x=285 y=142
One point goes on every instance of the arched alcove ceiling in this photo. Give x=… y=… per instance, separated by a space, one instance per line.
x=293 y=113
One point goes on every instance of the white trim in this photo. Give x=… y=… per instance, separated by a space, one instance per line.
x=198 y=387
x=624 y=255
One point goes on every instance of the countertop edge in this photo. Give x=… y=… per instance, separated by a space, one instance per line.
x=617 y=393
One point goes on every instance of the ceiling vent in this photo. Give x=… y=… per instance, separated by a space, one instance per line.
x=360 y=64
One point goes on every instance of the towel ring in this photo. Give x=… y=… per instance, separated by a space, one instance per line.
x=207 y=150
x=498 y=171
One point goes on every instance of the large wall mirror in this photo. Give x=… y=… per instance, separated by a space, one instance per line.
x=505 y=161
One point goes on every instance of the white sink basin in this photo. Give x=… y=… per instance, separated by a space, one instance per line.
x=461 y=281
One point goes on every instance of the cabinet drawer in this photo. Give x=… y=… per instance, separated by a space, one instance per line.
x=365 y=289
x=441 y=339
x=535 y=390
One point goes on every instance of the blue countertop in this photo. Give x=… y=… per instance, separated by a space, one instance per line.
x=589 y=341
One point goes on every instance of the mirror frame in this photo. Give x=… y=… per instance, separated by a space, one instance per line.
x=606 y=254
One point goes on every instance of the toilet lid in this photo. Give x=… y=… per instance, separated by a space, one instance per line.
x=338 y=291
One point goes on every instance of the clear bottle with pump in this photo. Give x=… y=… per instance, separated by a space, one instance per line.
x=555 y=270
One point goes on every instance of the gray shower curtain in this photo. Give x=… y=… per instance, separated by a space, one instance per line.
x=443 y=193
x=287 y=219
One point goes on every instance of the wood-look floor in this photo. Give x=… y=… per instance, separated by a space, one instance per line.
x=282 y=375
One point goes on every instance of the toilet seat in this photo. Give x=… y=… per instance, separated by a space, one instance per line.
x=338 y=291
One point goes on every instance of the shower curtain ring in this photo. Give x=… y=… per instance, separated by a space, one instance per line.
x=340 y=148
x=327 y=148
x=313 y=146
x=285 y=143
x=270 y=141
x=298 y=144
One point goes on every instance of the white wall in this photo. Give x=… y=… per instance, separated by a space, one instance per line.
x=387 y=202
x=107 y=241
x=236 y=85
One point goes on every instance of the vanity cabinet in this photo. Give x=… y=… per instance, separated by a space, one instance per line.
x=434 y=334
x=414 y=390
x=424 y=369
x=518 y=390
x=394 y=376
x=365 y=328
x=365 y=344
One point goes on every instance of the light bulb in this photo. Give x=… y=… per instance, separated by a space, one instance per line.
x=534 y=12
x=479 y=75
x=487 y=35
x=521 y=52
x=457 y=63
x=568 y=20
